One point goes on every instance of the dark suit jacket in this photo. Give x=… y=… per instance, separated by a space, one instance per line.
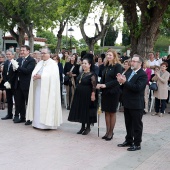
x=60 y=67
x=101 y=68
x=133 y=91
x=9 y=75
x=109 y=78
x=24 y=72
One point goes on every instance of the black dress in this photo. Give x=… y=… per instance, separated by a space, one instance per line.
x=83 y=110
x=2 y=87
x=110 y=94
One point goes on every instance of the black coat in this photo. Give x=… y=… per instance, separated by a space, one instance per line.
x=133 y=91
x=101 y=68
x=109 y=78
x=8 y=74
x=60 y=67
x=24 y=72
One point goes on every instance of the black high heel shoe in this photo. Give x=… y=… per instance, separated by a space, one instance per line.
x=107 y=138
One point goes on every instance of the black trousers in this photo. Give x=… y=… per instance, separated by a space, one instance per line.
x=160 y=105
x=134 y=125
x=21 y=100
x=9 y=95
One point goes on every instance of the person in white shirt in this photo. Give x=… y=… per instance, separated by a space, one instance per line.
x=152 y=62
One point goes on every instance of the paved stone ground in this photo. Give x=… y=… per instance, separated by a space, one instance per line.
x=25 y=148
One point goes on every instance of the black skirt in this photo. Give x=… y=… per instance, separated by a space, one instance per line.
x=109 y=101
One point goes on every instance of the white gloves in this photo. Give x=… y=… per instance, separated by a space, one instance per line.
x=7 y=85
x=14 y=64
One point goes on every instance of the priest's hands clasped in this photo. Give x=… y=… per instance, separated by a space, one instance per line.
x=37 y=76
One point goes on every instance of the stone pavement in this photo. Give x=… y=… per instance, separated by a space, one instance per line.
x=25 y=148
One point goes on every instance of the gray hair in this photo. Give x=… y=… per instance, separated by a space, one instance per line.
x=46 y=48
x=140 y=58
x=2 y=55
x=10 y=51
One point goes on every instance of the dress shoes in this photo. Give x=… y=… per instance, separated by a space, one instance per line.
x=81 y=131
x=7 y=117
x=28 y=122
x=15 y=118
x=134 y=148
x=20 y=121
x=125 y=144
x=86 y=131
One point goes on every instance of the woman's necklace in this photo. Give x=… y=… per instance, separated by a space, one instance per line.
x=82 y=76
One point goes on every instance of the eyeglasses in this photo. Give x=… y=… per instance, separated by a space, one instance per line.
x=43 y=53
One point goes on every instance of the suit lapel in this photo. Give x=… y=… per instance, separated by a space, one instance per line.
x=25 y=62
x=128 y=74
x=135 y=75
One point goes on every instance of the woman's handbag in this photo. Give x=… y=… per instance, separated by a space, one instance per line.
x=66 y=80
x=153 y=86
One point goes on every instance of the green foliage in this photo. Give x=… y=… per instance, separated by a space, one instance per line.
x=51 y=39
x=82 y=44
x=110 y=38
x=162 y=43
x=165 y=26
x=37 y=47
x=52 y=48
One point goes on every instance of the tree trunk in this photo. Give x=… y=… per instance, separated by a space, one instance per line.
x=31 y=43
x=58 y=43
x=144 y=33
x=28 y=28
x=91 y=41
x=59 y=34
x=21 y=40
x=18 y=37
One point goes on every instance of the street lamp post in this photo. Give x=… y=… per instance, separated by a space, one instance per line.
x=70 y=33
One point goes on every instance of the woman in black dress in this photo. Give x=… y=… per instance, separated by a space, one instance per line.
x=2 y=89
x=71 y=69
x=110 y=91
x=84 y=105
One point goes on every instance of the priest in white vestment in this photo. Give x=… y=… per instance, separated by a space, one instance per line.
x=44 y=102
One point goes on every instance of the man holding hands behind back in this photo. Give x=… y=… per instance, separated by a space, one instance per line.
x=134 y=84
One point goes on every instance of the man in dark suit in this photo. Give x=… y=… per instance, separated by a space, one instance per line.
x=24 y=67
x=9 y=79
x=134 y=83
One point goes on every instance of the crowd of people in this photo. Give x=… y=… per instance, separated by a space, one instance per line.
x=34 y=82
